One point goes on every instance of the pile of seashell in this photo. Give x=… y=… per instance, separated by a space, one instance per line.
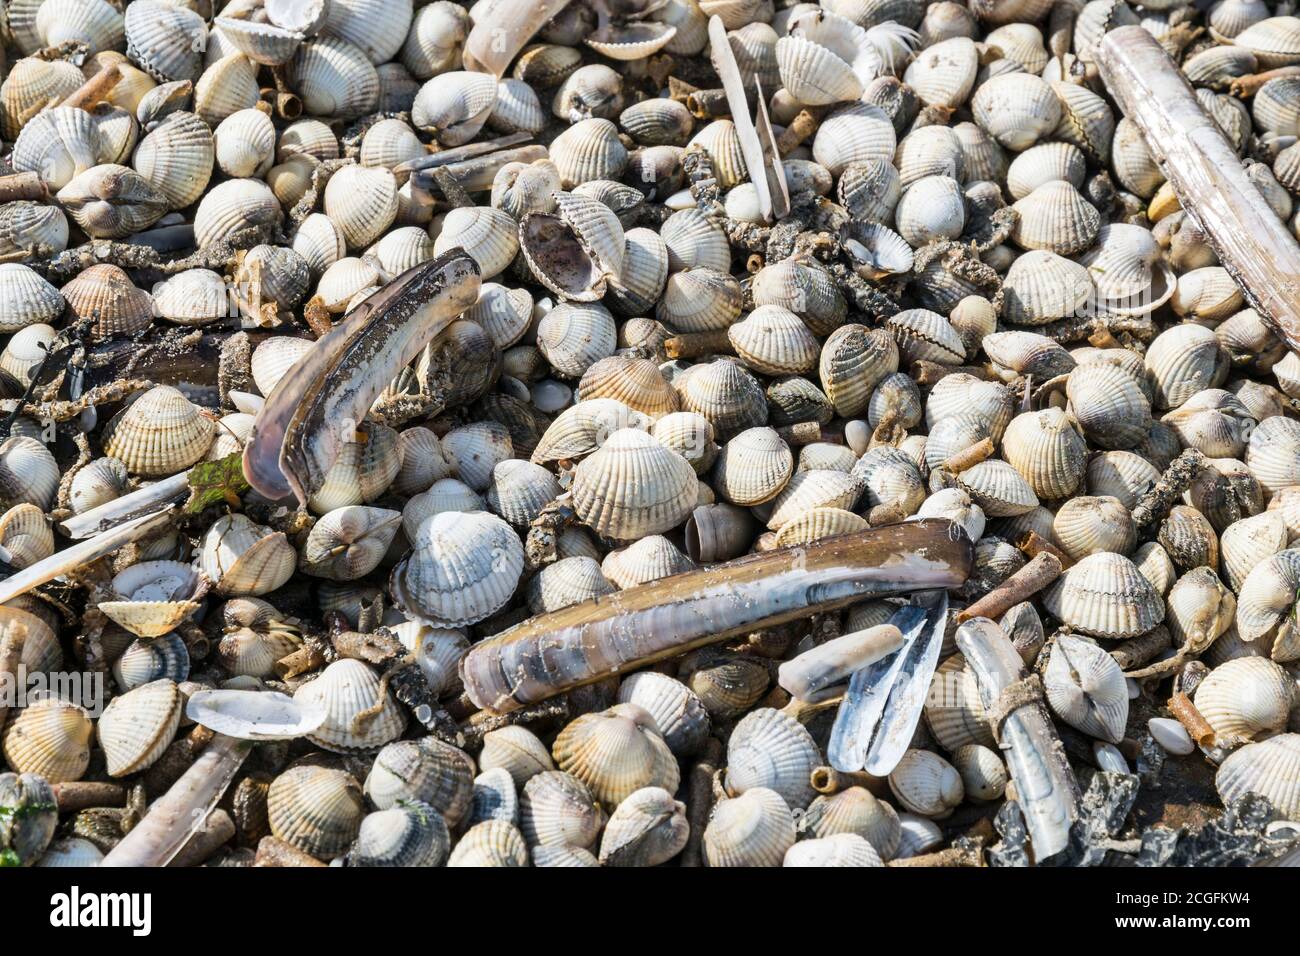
x=978 y=300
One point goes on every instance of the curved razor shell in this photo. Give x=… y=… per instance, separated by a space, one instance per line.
x=317 y=404
x=502 y=28
x=172 y=819
x=1048 y=791
x=586 y=642
x=767 y=177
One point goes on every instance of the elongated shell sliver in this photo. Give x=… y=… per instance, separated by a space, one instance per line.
x=883 y=704
x=502 y=28
x=315 y=407
x=1048 y=792
x=586 y=642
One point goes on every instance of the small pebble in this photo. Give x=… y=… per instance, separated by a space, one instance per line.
x=1171 y=735
x=1109 y=758
x=551 y=396
x=857 y=434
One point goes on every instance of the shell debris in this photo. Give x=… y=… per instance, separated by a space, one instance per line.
x=523 y=420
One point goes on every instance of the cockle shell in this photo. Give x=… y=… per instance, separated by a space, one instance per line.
x=1019 y=353
x=588 y=150
x=1047 y=452
x=633 y=486
x=226 y=87
x=361 y=714
x=102 y=480
x=1273 y=453
x=772 y=750
x=413 y=834
x=998 y=488
x=193 y=297
x=517 y=751
x=31 y=85
x=109 y=201
x=154 y=597
x=232 y=207
x=954 y=504
x=25 y=535
x=566 y=582
x=334 y=78
x=1016 y=109
x=1105 y=595
x=1184 y=360
x=492 y=843
x=576 y=251
x=984 y=776
x=857 y=811
x=160 y=433
x=1246 y=543
x=137 y=726
x=105 y=294
x=927 y=784
x=177 y=158
x=520 y=490
x=637 y=383
x=753 y=467
x=725 y=394
x=1270 y=768
x=1189 y=538
x=242 y=558
x=646 y=829
x=853 y=361
x=1055 y=217
x=1274 y=41
x=28 y=473
x=166 y=41
x=1086 y=525
x=50 y=738
x=677 y=711
x=59 y=144
x=753 y=829
x=475 y=450
x=842 y=849
x=943 y=74
x=1245 y=698
x=699 y=300
x=433 y=43
x=1086 y=688
x=425 y=770
x=317 y=809
x=349 y=542
x=463 y=568
x=1041 y=287
x=29 y=231
x=615 y=753
x=362 y=201
x=144 y=661
x=931 y=208
x=1109 y=405
x=807 y=490
x=557 y=809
